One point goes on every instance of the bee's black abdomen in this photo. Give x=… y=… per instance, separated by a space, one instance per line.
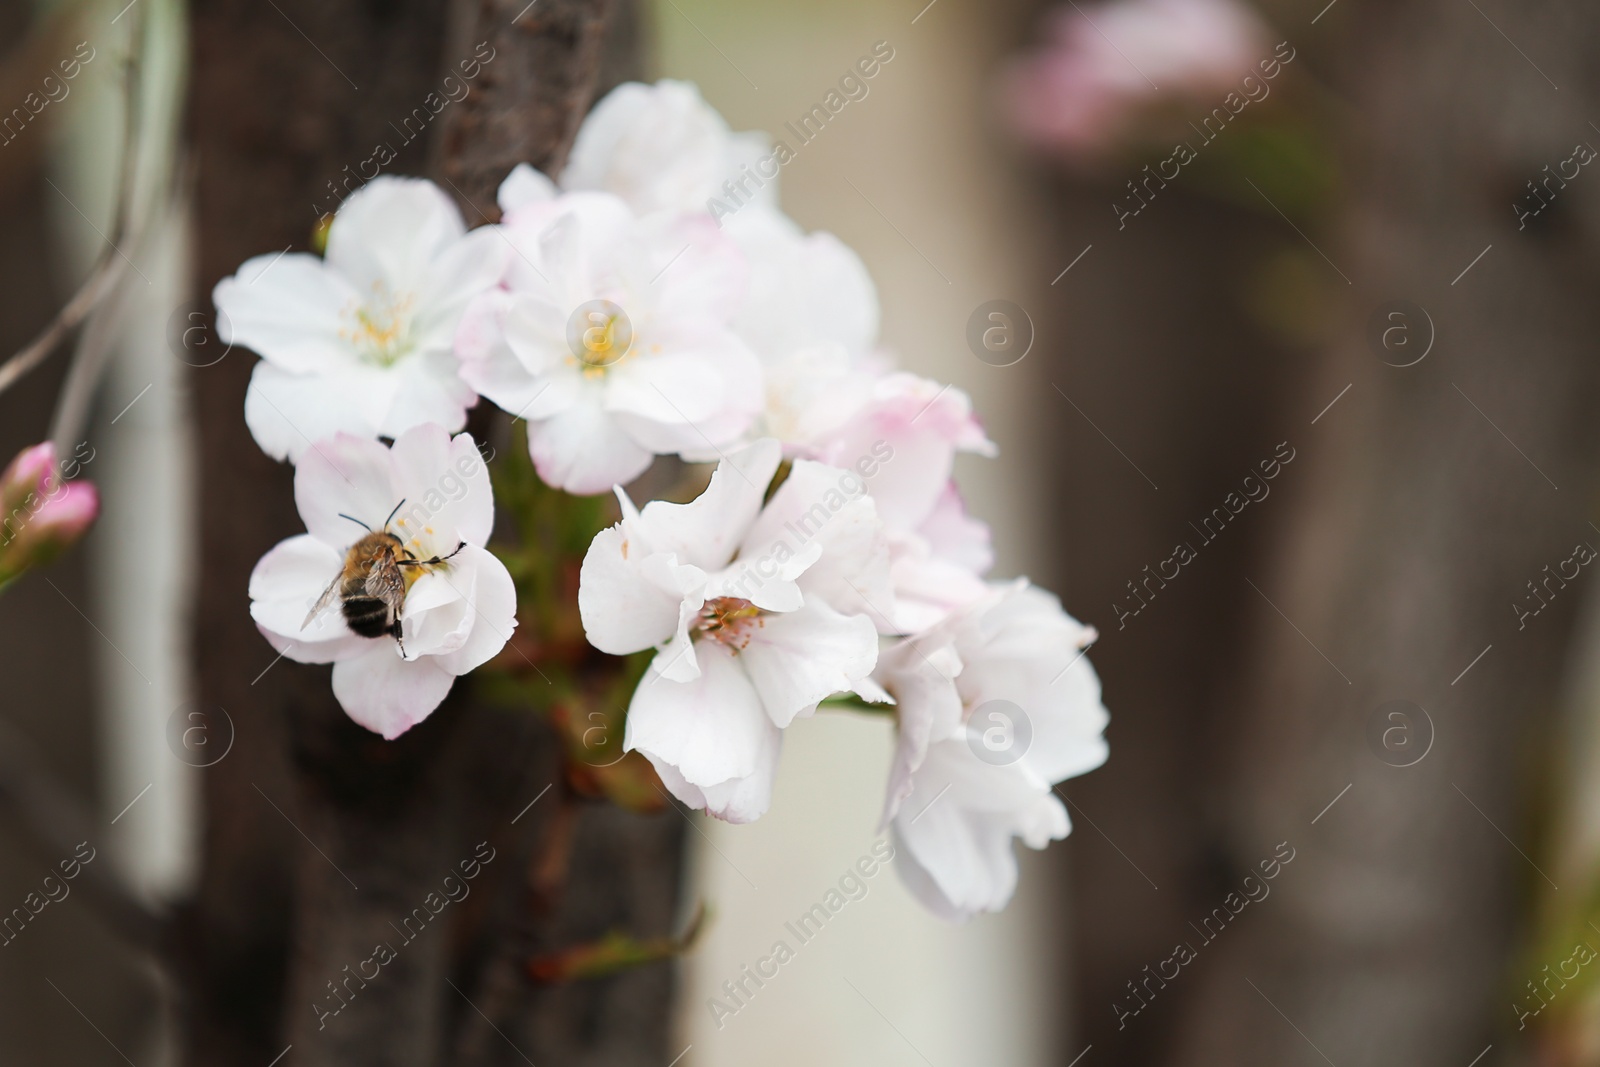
x=367 y=616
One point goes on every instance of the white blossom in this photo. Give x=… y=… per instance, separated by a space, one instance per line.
x=455 y=615
x=758 y=613
x=361 y=341
x=994 y=705
x=661 y=147
x=611 y=338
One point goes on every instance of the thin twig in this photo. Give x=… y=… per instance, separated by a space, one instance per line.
x=107 y=271
x=109 y=267
x=130 y=226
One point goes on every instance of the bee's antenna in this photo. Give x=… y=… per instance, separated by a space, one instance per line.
x=393 y=513
x=355 y=520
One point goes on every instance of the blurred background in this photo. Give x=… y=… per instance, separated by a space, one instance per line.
x=1294 y=389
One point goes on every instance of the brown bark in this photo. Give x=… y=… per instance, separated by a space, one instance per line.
x=524 y=111
x=1397 y=542
x=1389 y=940
x=281 y=915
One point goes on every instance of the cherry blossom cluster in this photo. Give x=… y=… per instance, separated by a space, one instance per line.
x=827 y=561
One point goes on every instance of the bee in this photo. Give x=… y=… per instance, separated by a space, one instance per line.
x=371 y=586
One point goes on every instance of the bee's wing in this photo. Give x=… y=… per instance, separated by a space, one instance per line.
x=324 y=600
x=385 y=582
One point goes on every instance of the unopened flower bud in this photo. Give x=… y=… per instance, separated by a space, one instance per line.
x=43 y=514
x=27 y=473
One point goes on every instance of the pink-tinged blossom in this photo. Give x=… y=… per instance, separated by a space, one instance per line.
x=994 y=705
x=455 y=615
x=758 y=612
x=41 y=514
x=811 y=314
x=361 y=341
x=938 y=565
x=938 y=552
x=1104 y=69
x=29 y=471
x=612 y=339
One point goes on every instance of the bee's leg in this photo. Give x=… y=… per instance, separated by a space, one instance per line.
x=429 y=562
x=399 y=639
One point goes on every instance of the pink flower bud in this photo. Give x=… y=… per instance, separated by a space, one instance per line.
x=43 y=515
x=27 y=473
x=70 y=514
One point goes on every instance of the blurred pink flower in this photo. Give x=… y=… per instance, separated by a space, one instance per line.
x=29 y=468
x=41 y=514
x=1103 y=68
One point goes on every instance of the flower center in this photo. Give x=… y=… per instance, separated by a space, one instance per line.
x=599 y=335
x=422 y=544
x=730 y=620
x=380 y=328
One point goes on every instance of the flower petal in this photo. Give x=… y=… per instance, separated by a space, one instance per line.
x=523 y=187
x=286 y=308
x=926 y=586
x=535 y=329
x=567 y=247
x=920 y=672
x=389 y=695
x=823 y=505
x=693 y=271
x=957 y=536
x=706 y=531
x=631 y=598
x=672 y=388
x=953 y=837
x=428 y=389
x=489 y=365
x=797 y=659
x=344 y=476
x=923 y=425
x=697 y=395
x=1029 y=651
x=457 y=274
x=661 y=147
x=494 y=603
x=387 y=232
x=712 y=729
x=445 y=485
x=585 y=451
x=437 y=615
x=804 y=289
x=287 y=412
x=285 y=585
x=739 y=800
